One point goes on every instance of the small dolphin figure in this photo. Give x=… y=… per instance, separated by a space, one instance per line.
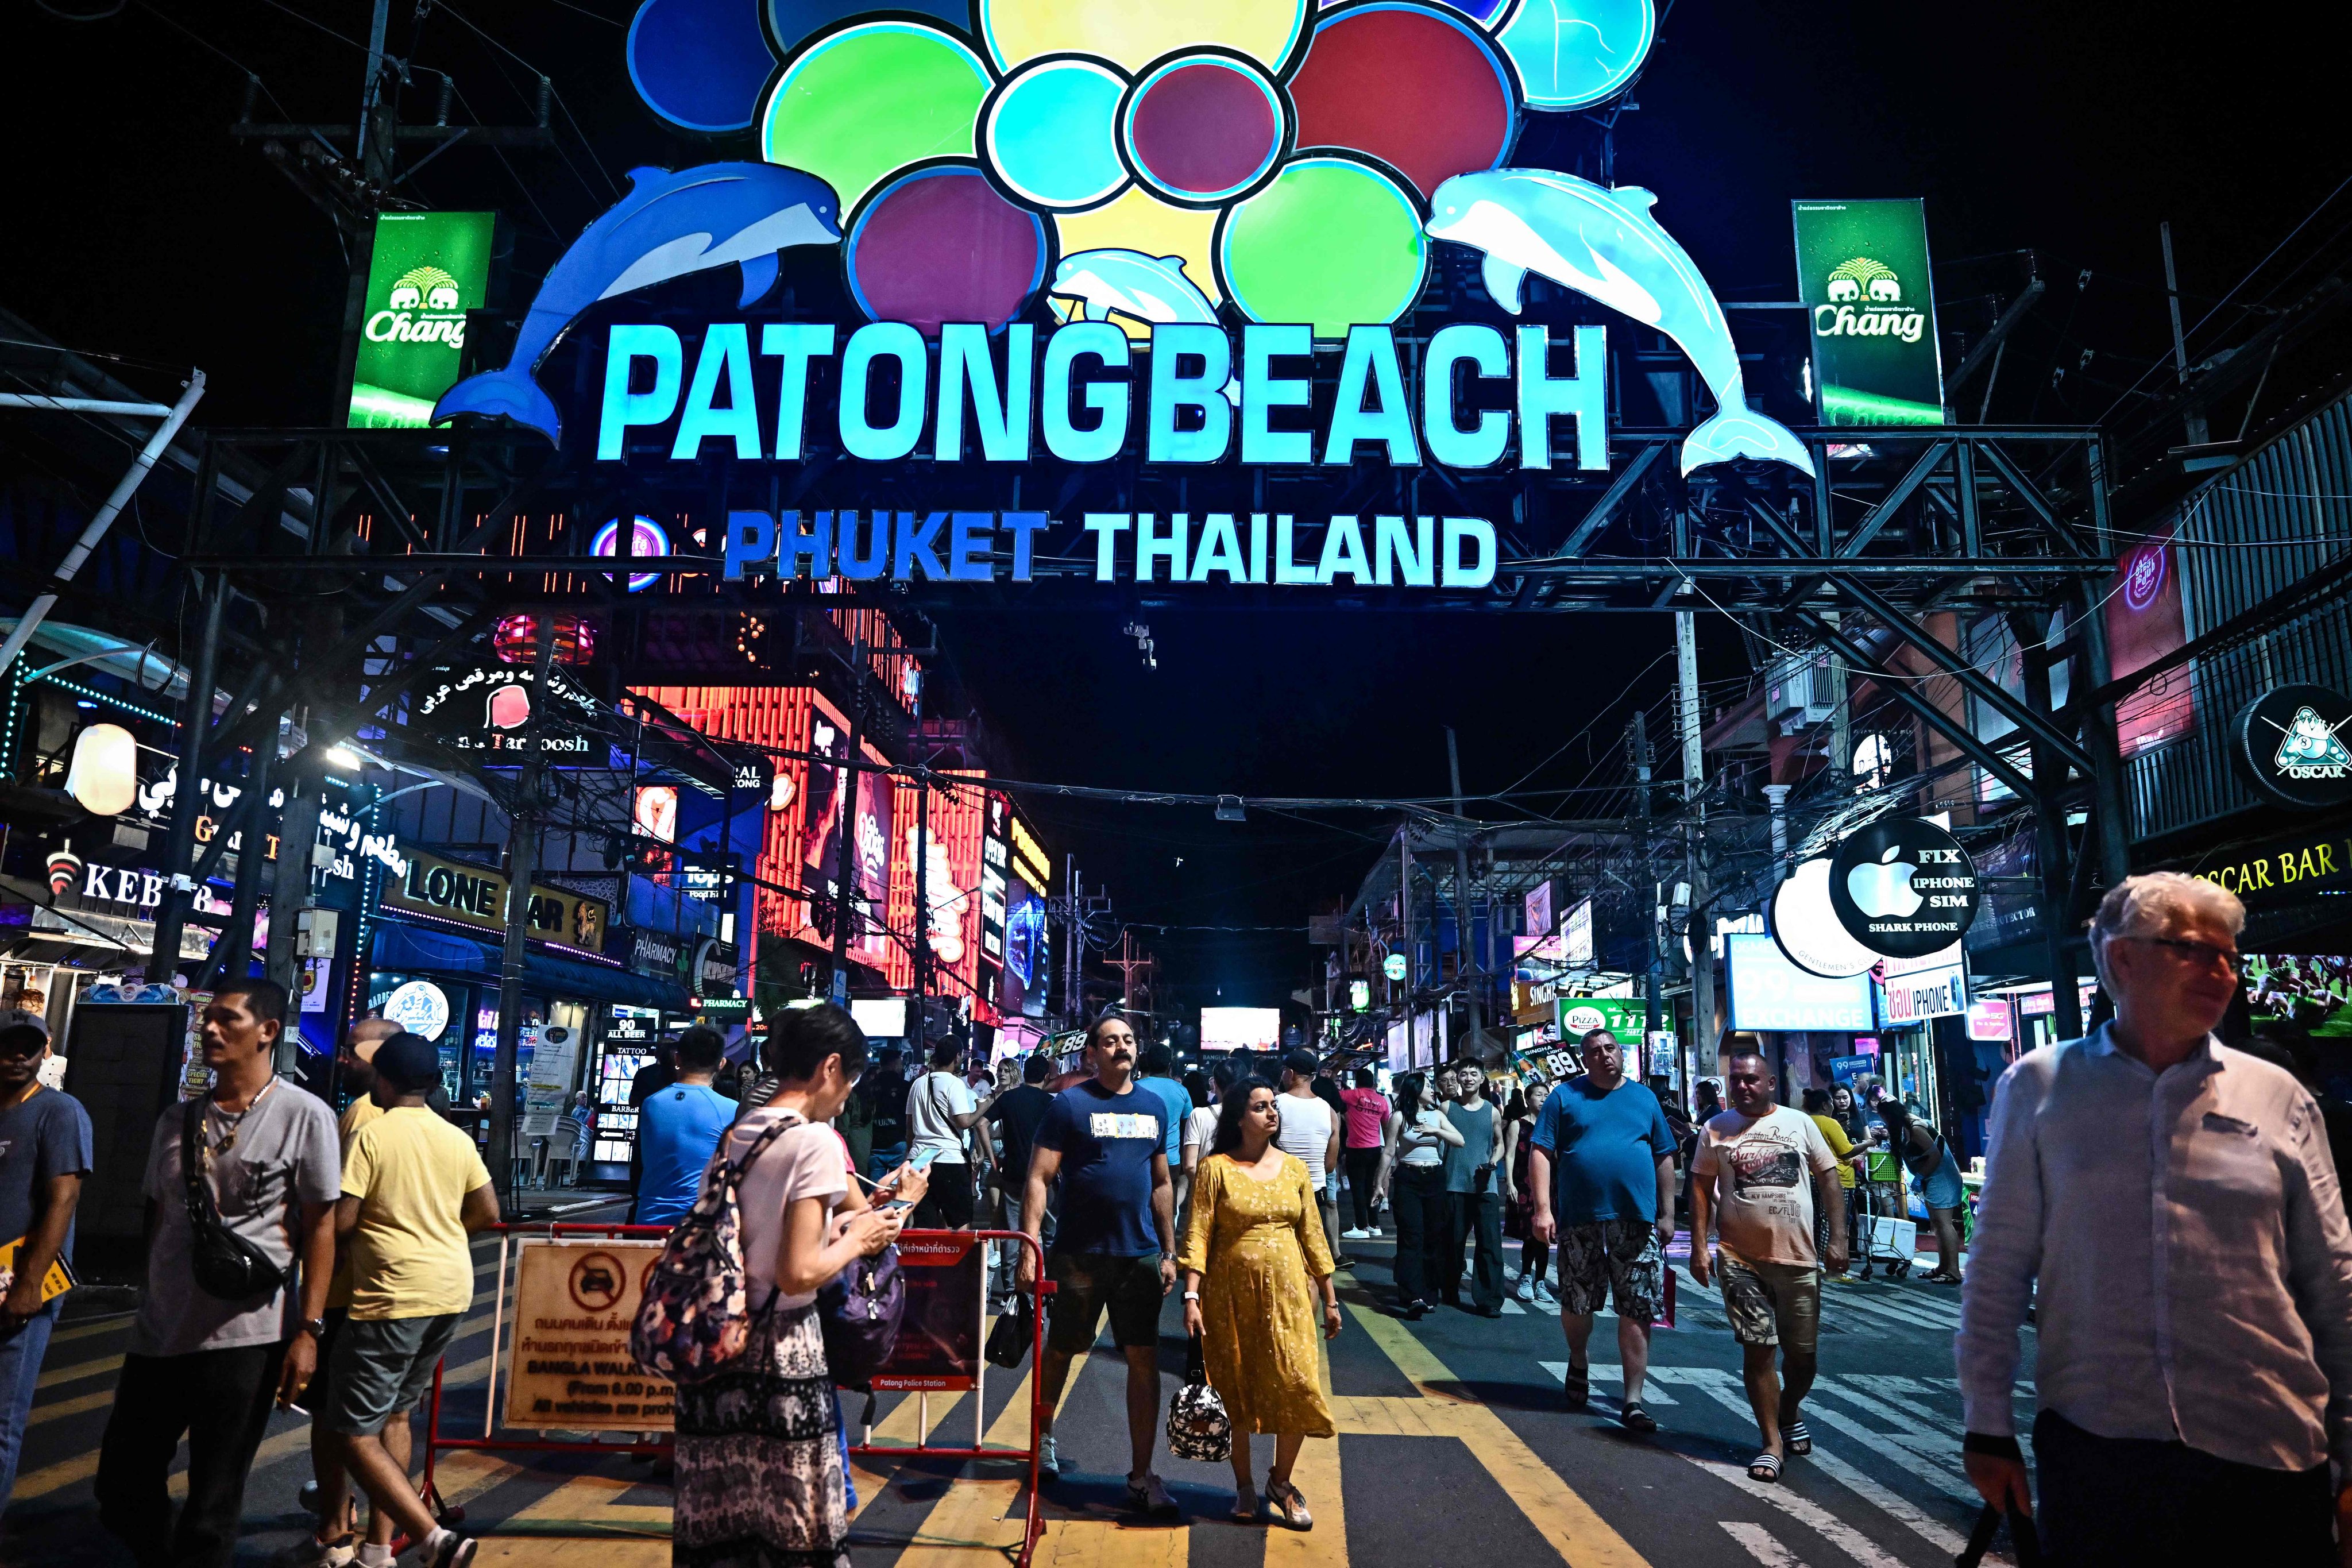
x=669 y=224
x=1604 y=244
x=1148 y=287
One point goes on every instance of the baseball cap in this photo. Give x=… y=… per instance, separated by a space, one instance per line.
x=22 y=1034
x=408 y=1062
x=1300 y=1062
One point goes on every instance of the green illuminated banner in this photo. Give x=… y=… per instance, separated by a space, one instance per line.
x=1862 y=271
x=428 y=270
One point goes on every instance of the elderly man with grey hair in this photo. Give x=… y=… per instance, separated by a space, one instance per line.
x=2176 y=1203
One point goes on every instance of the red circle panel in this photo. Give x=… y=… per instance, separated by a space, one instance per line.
x=946 y=248
x=1203 y=129
x=1414 y=89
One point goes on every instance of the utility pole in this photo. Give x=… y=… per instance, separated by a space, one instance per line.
x=522 y=870
x=2198 y=433
x=1638 y=743
x=919 y=1030
x=1466 y=968
x=845 y=909
x=1404 y=937
x=1700 y=931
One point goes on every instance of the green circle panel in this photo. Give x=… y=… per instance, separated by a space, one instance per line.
x=1331 y=242
x=861 y=103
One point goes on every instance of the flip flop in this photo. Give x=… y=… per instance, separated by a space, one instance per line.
x=1576 y=1385
x=1797 y=1437
x=1635 y=1418
x=1764 y=1468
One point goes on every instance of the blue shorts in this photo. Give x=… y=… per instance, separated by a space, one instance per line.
x=1941 y=1186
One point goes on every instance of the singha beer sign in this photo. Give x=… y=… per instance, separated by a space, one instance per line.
x=1862 y=268
x=427 y=270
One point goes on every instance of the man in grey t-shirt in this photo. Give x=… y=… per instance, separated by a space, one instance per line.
x=197 y=1364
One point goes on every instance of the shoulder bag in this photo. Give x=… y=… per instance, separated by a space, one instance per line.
x=225 y=1264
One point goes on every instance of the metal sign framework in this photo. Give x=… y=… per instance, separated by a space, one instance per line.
x=376 y=555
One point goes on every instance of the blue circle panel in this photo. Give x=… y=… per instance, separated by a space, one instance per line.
x=700 y=64
x=1052 y=133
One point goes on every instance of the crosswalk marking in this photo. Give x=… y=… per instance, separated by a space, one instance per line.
x=1727 y=1389
x=1804 y=1510
x=1609 y=1371
x=74 y=1371
x=1760 y=1544
x=106 y=1325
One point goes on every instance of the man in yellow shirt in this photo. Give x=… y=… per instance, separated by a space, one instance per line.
x=413 y=1187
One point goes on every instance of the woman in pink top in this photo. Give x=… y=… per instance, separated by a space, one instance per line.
x=1362 y=1138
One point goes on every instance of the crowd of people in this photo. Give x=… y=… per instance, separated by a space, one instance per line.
x=298 y=1259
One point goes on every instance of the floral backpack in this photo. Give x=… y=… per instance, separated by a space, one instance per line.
x=696 y=1319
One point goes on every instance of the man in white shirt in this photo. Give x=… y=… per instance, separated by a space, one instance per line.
x=2170 y=1209
x=1309 y=1130
x=940 y=1110
x=1761 y=1170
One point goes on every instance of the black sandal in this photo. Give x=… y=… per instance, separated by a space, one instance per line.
x=1764 y=1468
x=1576 y=1385
x=1635 y=1418
x=1797 y=1437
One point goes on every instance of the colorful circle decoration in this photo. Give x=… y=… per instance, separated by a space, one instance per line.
x=1275 y=258
x=1051 y=134
x=1203 y=129
x=1269 y=155
x=941 y=244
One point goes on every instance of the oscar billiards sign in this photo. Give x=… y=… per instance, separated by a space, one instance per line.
x=1904 y=887
x=2288 y=743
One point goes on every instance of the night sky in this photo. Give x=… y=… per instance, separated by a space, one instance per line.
x=135 y=225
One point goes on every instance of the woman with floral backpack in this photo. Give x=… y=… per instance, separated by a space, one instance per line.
x=760 y=1473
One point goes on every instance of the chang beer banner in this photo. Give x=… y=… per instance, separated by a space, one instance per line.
x=1861 y=270
x=428 y=270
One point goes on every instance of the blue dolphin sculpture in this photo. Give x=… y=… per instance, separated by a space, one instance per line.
x=1604 y=244
x=669 y=224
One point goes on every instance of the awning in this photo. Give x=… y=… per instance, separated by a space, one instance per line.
x=401 y=947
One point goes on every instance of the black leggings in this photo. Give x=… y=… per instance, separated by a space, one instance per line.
x=1535 y=1259
x=1363 y=1170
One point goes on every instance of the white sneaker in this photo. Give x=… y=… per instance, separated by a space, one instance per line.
x=1544 y=1295
x=1356 y=1233
x=1049 y=1459
x=1525 y=1292
x=1376 y=1231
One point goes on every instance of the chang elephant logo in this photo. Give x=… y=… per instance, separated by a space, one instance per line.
x=1865 y=300
x=425 y=305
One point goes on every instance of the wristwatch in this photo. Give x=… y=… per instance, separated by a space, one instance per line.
x=314 y=1327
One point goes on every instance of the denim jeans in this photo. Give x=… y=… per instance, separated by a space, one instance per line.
x=20 y=1372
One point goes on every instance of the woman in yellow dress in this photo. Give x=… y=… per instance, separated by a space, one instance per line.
x=1254 y=1243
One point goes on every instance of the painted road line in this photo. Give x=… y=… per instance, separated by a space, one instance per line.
x=1890 y=1312
x=107 y=1325
x=74 y=1371
x=1936 y=1453
x=1316 y=1476
x=970 y=1518
x=1804 y=1510
x=588 y=1500
x=1558 y=1513
x=1900 y=1392
x=1726 y=1388
x=1760 y=1544
x=1609 y=1371
x=65 y=1407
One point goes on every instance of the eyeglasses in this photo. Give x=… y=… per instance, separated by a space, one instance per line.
x=2198 y=953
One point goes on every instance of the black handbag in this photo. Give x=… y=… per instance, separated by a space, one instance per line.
x=225 y=1264
x=1198 y=1427
x=1009 y=1340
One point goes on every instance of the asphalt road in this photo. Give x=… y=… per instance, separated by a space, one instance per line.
x=1455 y=1452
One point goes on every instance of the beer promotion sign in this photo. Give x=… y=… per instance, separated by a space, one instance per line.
x=428 y=269
x=1862 y=271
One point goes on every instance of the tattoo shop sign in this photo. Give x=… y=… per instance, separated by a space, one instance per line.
x=568 y=1366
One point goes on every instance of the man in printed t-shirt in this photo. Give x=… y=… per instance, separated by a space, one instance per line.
x=1116 y=1248
x=1760 y=1170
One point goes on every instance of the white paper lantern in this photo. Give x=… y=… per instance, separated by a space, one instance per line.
x=104 y=772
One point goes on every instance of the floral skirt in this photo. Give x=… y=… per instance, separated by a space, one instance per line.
x=760 y=1479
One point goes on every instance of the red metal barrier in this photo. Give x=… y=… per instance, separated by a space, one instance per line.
x=436 y=1441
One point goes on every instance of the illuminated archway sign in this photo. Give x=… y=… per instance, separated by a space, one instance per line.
x=1150 y=173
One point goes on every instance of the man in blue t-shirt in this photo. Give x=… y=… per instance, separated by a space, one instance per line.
x=44 y=1153
x=1600 y=1167
x=1106 y=1139
x=677 y=1127
x=1152 y=1063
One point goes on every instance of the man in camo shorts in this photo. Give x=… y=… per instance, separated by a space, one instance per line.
x=1761 y=1172
x=1600 y=1165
